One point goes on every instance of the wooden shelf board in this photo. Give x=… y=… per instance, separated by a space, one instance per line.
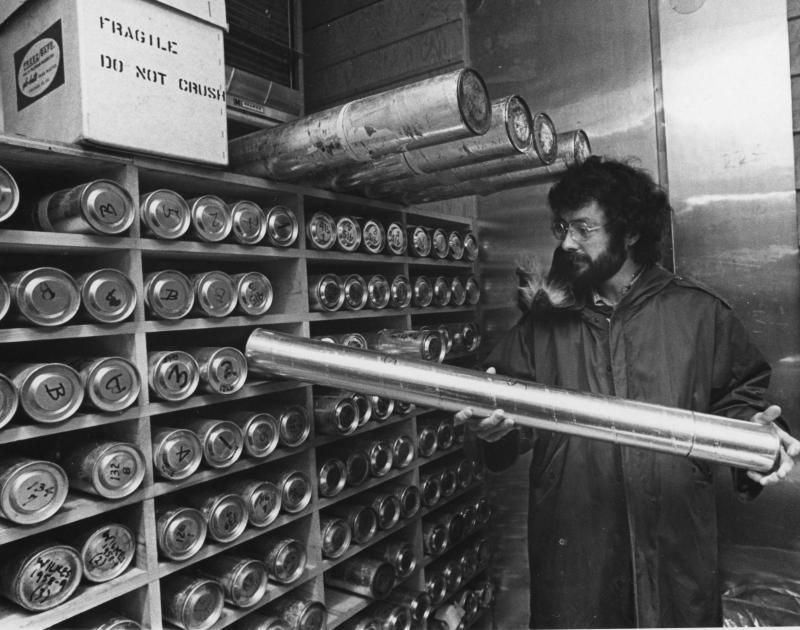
x=316 y=255
x=23 y=152
x=161 y=488
x=167 y=567
x=73 y=331
x=372 y=425
x=18 y=432
x=21 y=241
x=386 y=312
x=199 y=323
x=161 y=249
x=342 y=606
x=86 y=596
x=76 y=508
x=248 y=391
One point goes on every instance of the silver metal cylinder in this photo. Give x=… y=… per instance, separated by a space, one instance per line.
x=222 y=370
x=458 y=292
x=260 y=431
x=373 y=236
x=378 y=292
x=210 y=218
x=180 y=532
x=253 y=292
x=353 y=340
x=44 y=296
x=418 y=344
x=168 y=294
x=9 y=194
x=419 y=241
x=300 y=614
x=215 y=294
x=442 y=291
x=434 y=537
x=385 y=504
x=336 y=537
x=243 y=580
x=370 y=577
x=382 y=408
x=423 y=292
x=403 y=451
x=282 y=226
x=263 y=499
x=632 y=423
x=396 y=239
x=110 y=383
x=31 y=490
x=225 y=513
x=177 y=453
x=356 y=293
x=348 y=234
x=455 y=243
x=400 y=554
x=284 y=556
x=106 y=550
x=172 y=375
x=335 y=414
x=400 y=292
x=430 y=111
x=164 y=214
x=362 y=519
x=391 y=616
x=191 y=602
x=418 y=602
x=325 y=292
x=109 y=469
x=332 y=477
x=98 y=207
x=40 y=576
x=321 y=231
x=248 y=222
x=48 y=392
x=440 y=245
x=222 y=441
x=428 y=440
x=107 y=295
x=296 y=491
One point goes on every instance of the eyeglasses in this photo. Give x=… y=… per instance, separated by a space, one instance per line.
x=579 y=231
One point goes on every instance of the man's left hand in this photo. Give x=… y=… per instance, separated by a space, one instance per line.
x=790 y=448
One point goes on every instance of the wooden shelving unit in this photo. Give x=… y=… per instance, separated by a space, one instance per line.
x=42 y=167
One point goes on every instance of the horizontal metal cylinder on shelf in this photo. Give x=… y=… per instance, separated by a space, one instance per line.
x=542 y=151
x=434 y=110
x=626 y=422
x=510 y=132
x=573 y=147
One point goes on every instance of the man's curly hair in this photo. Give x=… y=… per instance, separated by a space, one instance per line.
x=631 y=199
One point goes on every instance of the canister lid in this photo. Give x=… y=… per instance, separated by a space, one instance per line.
x=388 y=511
x=448 y=481
x=373 y=236
x=354 y=340
x=355 y=292
x=456 y=245
x=50 y=392
x=473 y=101
x=249 y=222
x=112 y=384
x=440 y=243
x=181 y=533
x=34 y=492
x=470 y=337
x=383 y=580
x=364 y=525
x=295 y=425
x=321 y=230
x=400 y=292
x=225 y=371
x=47 y=296
x=296 y=492
x=289 y=561
x=107 y=206
x=118 y=470
x=473 y=291
x=174 y=375
x=249 y=583
x=211 y=218
x=222 y=444
x=165 y=213
x=215 y=292
x=378 y=291
x=48 y=577
x=396 y=239
x=458 y=294
x=348 y=234
x=382 y=407
x=9 y=400
x=357 y=468
x=420 y=241
x=107 y=552
x=410 y=501
x=282 y=226
x=428 y=441
x=108 y=295
x=464 y=472
x=441 y=291
x=9 y=194
x=583 y=148
x=447 y=339
x=432 y=347
x=261 y=435
x=169 y=294
x=436 y=585
x=263 y=504
x=544 y=138
x=470 y=247
x=329 y=292
x=227 y=518
x=364 y=408
x=402 y=451
x=314 y=617
x=254 y=292
x=431 y=491
x=336 y=537
x=202 y=605
x=405 y=561
x=177 y=453
x=519 y=122
x=332 y=477
x=423 y=292
x=5 y=297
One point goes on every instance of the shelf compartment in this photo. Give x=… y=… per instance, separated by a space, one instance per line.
x=161 y=488
x=167 y=567
x=153 y=248
x=86 y=597
x=19 y=432
x=250 y=390
x=77 y=507
x=75 y=331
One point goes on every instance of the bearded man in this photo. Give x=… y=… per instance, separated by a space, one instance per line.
x=619 y=536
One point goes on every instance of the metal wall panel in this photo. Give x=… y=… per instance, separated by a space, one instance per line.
x=728 y=115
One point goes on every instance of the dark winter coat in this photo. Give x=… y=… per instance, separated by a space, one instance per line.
x=619 y=536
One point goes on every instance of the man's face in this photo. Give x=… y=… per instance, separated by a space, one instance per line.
x=593 y=253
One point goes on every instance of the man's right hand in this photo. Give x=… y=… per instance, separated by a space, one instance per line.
x=489 y=428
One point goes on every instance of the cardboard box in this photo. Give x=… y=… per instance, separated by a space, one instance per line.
x=137 y=75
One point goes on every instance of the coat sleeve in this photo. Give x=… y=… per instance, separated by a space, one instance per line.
x=740 y=380
x=512 y=356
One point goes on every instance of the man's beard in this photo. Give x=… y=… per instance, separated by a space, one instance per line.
x=583 y=273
